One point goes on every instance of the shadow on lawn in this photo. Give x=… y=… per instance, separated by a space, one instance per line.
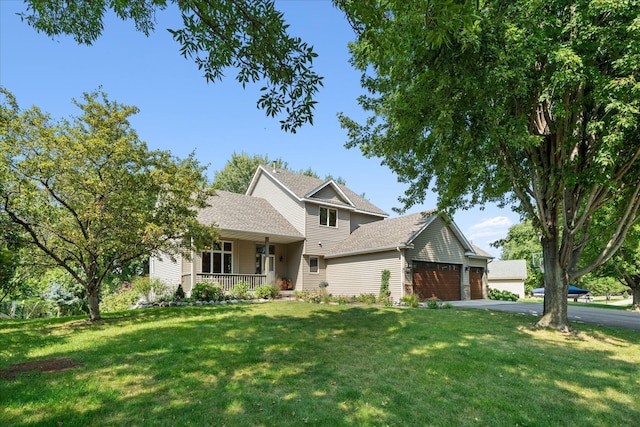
x=292 y=364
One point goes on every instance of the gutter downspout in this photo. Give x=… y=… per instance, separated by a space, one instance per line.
x=402 y=272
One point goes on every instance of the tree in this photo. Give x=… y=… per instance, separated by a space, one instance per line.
x=529 y=103
x=247 y=36
x=238 y=172
x=522 y=242
x=90 y=196
x=626 y=265
x=8 y=265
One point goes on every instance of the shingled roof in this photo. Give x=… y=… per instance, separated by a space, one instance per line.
x=237 y=215
x=479 y=252
x=510 y=269
x=306 y=187
x=383 y=235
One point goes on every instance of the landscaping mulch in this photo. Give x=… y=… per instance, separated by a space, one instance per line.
x=42 y=366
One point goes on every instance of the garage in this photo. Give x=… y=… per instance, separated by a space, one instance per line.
x=436 y=279
x=475 y=282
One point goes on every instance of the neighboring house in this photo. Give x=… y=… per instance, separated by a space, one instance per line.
x=508 y=276
x=306 y=230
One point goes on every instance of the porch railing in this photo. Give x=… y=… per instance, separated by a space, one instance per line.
x=228 y=281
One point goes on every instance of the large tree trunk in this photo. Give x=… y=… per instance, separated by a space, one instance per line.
x=633 y=282
x=556 y=286
x=94 y=302
x=635 y=291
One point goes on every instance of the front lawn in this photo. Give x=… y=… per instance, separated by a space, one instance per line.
x=279 y=364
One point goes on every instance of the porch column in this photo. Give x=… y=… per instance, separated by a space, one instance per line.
x=193 y=271
x=269 y=269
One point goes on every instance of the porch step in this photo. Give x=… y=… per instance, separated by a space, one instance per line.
x=287 y=295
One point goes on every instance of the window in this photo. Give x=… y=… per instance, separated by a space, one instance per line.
x=313 y=264
x=219 y=259
x=435 y=266
x=328 y=217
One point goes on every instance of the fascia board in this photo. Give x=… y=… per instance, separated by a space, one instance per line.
x=369 y=251
x=264 y=170
x=417 y=233
x=326 y=203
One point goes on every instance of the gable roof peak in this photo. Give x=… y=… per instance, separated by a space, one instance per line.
x=304 y=187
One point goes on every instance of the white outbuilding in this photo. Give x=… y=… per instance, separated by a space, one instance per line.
x=508 y=276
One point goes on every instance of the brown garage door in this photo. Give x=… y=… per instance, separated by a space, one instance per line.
x=436 y=279
x=475 y=282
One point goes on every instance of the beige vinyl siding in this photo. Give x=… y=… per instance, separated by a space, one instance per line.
x=294 y=264
x=165 y=270
x=186 y=266
x=361 y=274
x=284 y=202
x=312 y=280
x=244 y=254
x=358 y=219
x=330 y=195
x=438 y=244
x=328 y=236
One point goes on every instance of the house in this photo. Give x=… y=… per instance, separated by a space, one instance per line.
x=508 y=276
x=301 y=230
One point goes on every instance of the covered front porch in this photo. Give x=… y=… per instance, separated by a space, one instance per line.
x=227 y=281
x=238 y=259
x=256 y=245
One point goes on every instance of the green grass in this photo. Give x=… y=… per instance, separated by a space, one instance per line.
x=280 y=364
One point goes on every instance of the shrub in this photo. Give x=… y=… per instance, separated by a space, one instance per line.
x=433 y=302
x=411 y=300
x=342 y=299
x=367 y=298
x=241 y=290
x=307 y=296
x=65 y=301
x=207 y=292
x=26 y=309
x=267 y=292
x=122 y=299
x=323 y=292
x=496 y=294
x=179 y=293
x=384 y=286
x=149 y=289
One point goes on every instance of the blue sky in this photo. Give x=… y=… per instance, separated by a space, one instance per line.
x=180 y=112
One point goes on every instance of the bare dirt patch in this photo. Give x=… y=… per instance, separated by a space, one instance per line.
x=43 y=366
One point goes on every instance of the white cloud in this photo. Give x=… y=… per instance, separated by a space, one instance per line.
x=488 y=231
x=497 y=222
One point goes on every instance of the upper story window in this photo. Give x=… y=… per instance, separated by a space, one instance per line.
x=219 y=259
x=328 y=217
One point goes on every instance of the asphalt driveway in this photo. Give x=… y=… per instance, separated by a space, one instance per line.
x=591 y=315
